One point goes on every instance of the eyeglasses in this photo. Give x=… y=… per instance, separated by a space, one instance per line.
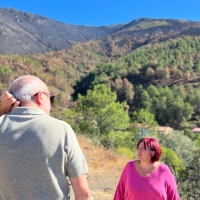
x=51 y=96
x=141 y=149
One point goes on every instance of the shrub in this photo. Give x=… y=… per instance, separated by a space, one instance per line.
x=125 y=152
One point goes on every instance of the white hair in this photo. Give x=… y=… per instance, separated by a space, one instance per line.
x=25 y=87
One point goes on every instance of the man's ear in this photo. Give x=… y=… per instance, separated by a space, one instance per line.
x=38 y=98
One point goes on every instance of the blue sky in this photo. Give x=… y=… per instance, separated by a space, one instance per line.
x=107 y=12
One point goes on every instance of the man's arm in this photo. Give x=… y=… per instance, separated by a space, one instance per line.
x=8 y=102
x=81 y=188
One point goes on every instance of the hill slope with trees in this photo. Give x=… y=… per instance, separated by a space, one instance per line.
x=145 y=72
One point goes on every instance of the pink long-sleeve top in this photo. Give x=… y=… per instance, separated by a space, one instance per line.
x=160 y=185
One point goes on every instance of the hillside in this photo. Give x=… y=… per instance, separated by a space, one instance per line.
x=172 y=65
x=104 y=169
x=26 y=33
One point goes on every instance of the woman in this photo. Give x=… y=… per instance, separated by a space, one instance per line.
x=146 y=178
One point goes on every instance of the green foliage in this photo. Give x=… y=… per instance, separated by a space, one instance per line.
x=193 y=136
x=5 y=74
x=145 y=117
x=125 y=152
x=73 y=118
x=197 y=138
x=1 y=86
x=118 y=139
x=98 y=112
x=171 y=159
x=169 y=106
x=168 y=64
x=189 y=182
x=181 y=144
x=147 y=121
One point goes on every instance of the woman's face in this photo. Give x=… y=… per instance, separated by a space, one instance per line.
x=143 y=154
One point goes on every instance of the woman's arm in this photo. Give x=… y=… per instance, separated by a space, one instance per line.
x=172 y=190
x=120 y=190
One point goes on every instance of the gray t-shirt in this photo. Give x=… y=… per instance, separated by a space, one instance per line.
x=37 y=152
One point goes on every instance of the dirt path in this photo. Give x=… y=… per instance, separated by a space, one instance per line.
x=104 y=169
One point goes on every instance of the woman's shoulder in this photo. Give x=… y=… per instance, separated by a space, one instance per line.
x=128 y=168
x=164 y=167
x=129 y=164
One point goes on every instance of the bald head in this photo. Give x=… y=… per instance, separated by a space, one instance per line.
x=24 y=88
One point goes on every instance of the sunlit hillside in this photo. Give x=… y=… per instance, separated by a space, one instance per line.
x=104 y=168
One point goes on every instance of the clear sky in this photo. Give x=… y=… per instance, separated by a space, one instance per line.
x=107 y=12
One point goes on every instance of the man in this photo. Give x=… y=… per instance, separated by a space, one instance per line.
x=37 y=151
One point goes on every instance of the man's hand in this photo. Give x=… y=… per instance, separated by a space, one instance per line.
x=8 y=103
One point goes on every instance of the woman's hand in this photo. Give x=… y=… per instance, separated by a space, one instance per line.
x=8 y=103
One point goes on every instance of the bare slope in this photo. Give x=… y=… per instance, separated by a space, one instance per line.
x=25 y=33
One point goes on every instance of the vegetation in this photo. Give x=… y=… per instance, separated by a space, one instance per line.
x=189 y=181
x=157 y=84
x=98 y=113
x=161 y=78
x=179 y=148
x=146 y=25
x=106 y=121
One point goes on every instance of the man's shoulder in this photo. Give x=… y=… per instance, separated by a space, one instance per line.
x=55 y=121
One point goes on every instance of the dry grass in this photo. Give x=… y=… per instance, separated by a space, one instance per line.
x=104 y=169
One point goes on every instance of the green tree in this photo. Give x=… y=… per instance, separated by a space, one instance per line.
x=99 y=112
x=147 y=121
x=145 y=117
x=145 y=100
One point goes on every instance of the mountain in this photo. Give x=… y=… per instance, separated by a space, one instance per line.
x=145 y=31
x=25 y=33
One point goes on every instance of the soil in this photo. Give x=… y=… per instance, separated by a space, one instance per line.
x=105 y=168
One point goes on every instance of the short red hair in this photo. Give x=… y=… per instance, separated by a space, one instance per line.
x=153 y=146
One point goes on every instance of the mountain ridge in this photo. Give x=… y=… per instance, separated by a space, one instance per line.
x=37 y=34
x=25 y=33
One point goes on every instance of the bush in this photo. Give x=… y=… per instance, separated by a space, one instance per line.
x=117 y=139
x=125 y=152
x=181 y=144
x=172 y=160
